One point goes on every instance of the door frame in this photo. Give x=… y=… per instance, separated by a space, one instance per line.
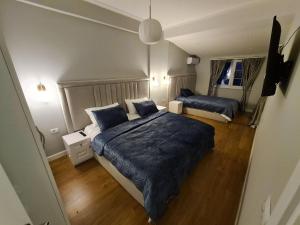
x=30 y=122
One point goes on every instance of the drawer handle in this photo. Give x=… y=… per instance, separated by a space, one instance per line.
x=81 y=153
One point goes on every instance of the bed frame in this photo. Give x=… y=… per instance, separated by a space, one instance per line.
x=206 y=114
x=125 y=182
x=79 y=95
x=179 y=81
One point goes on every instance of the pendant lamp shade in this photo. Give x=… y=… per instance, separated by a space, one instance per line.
x=150 y=31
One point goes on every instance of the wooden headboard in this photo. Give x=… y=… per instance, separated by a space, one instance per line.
x=79 y=95
x=176 y=82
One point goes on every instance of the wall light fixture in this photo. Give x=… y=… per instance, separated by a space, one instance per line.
x=41 y=87
x=166 y=80
x=154 y=82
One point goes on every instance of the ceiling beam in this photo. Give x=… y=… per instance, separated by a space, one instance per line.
x=86 y=11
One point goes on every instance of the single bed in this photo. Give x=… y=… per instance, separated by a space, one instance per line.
x=226 y=107
x=212 y=107
x=149 y=157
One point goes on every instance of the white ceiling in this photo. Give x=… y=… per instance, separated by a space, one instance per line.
x=212 y=27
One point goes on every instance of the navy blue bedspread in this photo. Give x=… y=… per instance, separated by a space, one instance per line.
x=156 y=153
x=225 y=106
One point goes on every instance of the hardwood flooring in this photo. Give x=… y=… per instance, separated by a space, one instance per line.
x=209 y=196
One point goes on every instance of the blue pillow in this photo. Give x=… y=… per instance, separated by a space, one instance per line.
x=184 y=92
x=107 y=118
x=145 y=108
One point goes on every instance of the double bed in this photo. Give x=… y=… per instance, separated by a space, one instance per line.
x=212 y=107
x=150 y=156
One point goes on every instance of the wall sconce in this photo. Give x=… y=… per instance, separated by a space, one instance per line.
x=41 y=87
x=154 y=82
x=42 y=94
x=166 y=80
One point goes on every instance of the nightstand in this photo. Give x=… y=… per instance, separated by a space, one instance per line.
x=175 y=107
x=78 y=147
x=162 y=108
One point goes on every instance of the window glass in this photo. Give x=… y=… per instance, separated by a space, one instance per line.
x=238 y=75
x=225 y=75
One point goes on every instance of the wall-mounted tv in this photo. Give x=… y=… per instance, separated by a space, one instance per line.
x=277 y=69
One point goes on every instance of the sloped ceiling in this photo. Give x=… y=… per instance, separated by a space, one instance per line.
x=213 y=27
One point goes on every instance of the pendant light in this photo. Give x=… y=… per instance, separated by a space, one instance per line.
x=150 y=30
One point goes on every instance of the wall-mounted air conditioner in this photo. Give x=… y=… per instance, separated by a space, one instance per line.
x=192 y=60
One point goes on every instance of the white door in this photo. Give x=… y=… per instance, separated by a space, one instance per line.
x=294 y=219
x=287 y=208
x=12 y=211
x=21 y=153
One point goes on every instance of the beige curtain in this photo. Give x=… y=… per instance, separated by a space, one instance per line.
x=251 y=68
x=257 y=112
x=216 y=68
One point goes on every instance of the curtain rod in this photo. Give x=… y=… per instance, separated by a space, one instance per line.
x=237 y=57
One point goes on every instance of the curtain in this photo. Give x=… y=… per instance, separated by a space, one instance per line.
x=216 y=68
x=251 y=68
x=257 y=112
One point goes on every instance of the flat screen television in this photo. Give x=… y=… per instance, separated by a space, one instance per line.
x=277 y=69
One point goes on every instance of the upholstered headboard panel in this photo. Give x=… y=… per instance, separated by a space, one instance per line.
x=180 y=81
x=79 y=95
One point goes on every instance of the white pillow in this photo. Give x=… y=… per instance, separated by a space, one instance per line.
x=133 y=116
x=131 y=107
x=89 y=111
x=92 y=131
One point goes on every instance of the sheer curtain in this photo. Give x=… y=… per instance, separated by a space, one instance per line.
x=251 y=68
x=216 y=68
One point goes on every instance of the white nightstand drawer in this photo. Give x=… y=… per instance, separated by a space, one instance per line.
x=78 y=147
x=80 y=153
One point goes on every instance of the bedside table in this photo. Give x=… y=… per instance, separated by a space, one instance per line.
x=175 y=107
x=78 y=147
x=162 y=108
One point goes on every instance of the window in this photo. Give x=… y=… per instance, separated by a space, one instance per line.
x=232 y=75
x=225 y=75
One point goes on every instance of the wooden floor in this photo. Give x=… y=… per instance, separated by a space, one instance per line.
x=209 y=196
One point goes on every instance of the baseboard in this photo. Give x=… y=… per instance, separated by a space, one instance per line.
x=57 y=155
x=249 y=110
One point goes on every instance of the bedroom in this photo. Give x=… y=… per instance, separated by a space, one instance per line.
x=52 y=43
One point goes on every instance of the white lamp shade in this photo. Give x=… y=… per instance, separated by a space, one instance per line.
x=150 y=31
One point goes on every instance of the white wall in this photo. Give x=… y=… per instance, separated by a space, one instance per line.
x=203 y=77
x=159 y=69
x=177 y=61
x=48 y=46
x=166 y=58
x=276 y=144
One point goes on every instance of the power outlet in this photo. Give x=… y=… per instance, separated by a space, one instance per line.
x=54 y=130
x=266 y=211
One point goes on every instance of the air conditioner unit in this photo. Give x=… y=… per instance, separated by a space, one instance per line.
x=192 y=60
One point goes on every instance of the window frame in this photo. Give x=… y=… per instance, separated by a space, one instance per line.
x=231 y=76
